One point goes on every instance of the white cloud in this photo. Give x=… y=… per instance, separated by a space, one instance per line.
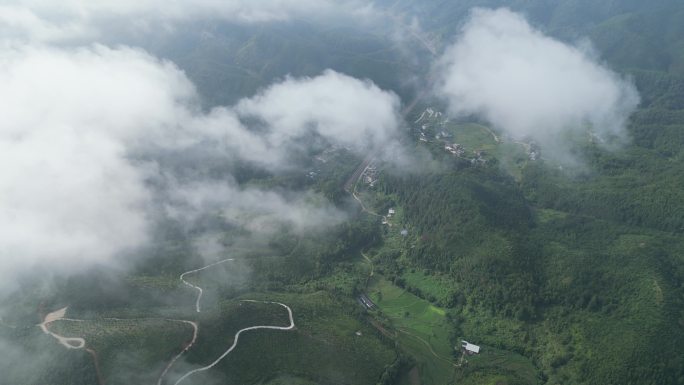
x=18 y=22
x=257 y=210
x=529 y=84
x=70 y=193
x=342 y=109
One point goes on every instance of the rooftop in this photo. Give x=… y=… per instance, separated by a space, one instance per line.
x=470 y=347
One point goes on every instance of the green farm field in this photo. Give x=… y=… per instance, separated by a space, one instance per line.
x=421 y=329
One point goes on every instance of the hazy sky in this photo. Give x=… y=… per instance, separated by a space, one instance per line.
x=528 y=84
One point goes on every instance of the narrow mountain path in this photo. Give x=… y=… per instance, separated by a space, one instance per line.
x=428 y=345
x=199 y=289
x=363 y=207
x=80 y=343
x=187 y=347
x=497 y=139
x=67 y=342
x=372 y=268
x=369 y=262
x=237 y=337
x=70 y=342
x=358 y=198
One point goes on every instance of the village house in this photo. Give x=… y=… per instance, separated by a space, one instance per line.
x=469 y=348
x=366 y=301
x=455 y=149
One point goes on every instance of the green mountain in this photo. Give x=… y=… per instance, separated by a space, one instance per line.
x=561 y=276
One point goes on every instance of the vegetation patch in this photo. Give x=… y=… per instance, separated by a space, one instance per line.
x=330 y=345
x=421 y=329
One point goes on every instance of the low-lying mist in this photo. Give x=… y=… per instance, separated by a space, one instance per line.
x=531 y=86
x=84 y=127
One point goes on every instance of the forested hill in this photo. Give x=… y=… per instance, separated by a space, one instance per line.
x=582 y=271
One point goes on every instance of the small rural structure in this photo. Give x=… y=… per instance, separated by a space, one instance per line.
x=469 y=348
x=455 y=149
x=366 y=302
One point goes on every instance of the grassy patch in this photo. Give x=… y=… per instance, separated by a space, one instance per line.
x=497 y=367
x=437 y=287
x=472 y=136
x=421 y=329
x=548 y=215
x=512 y=158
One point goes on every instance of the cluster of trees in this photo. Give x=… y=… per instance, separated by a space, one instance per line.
x=472 y=225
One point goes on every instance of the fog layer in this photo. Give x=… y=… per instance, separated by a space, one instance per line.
x=71 y=193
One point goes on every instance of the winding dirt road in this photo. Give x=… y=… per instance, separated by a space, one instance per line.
x=372 y=268
x=237 y=336
x=70 y=342
x=67 y=342
x=199 y=289
x=80 y=343
x=187 y=347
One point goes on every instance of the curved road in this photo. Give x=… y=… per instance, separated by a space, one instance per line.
x=80 y=343
x=173 y=361
x=199 y=289
x=68 y=342
x=237 y=336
